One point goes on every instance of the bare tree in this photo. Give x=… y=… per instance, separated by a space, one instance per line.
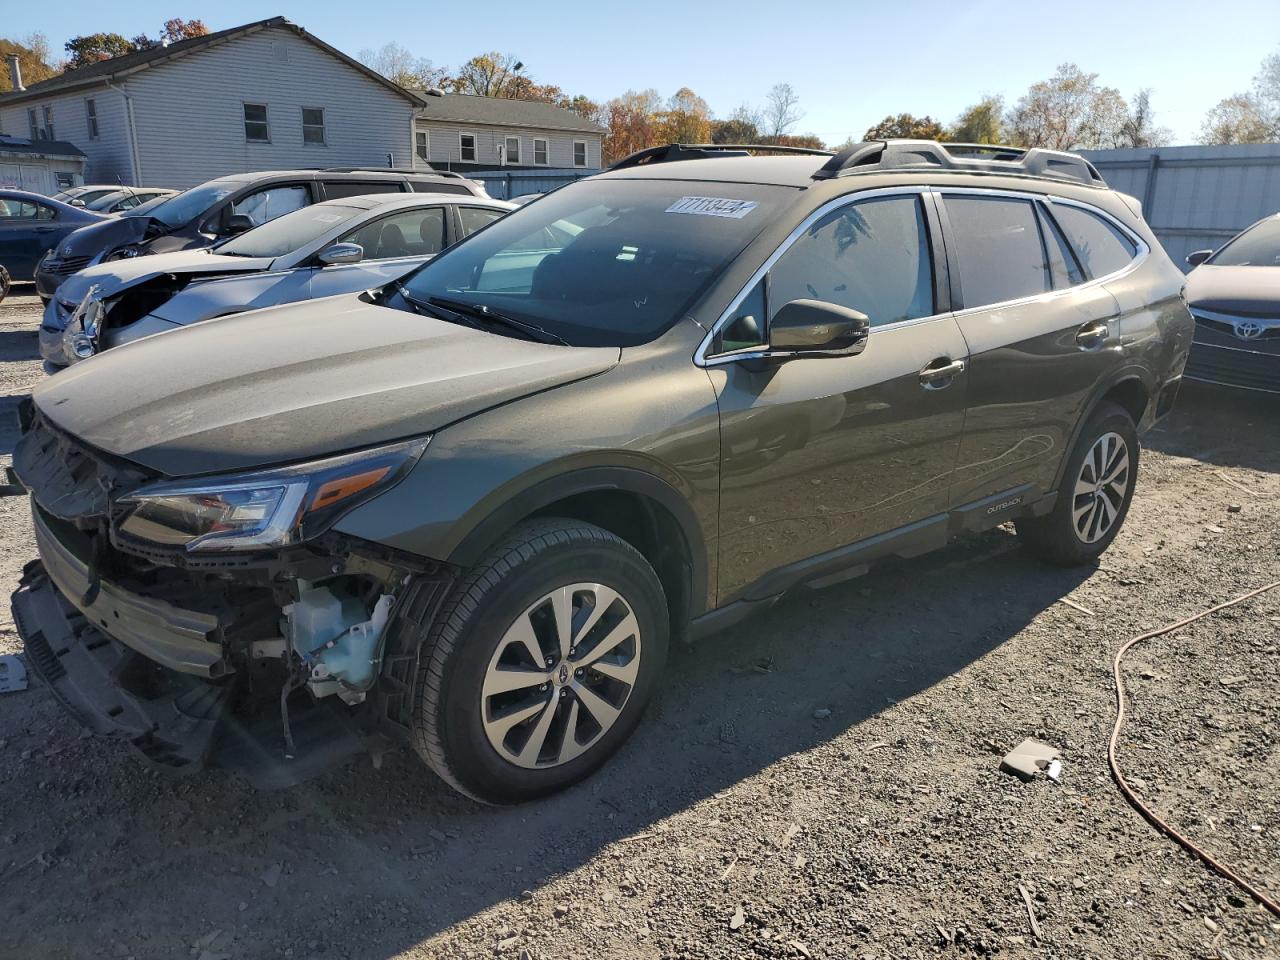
x=781 y=110
x=1237 y=119
x=402 y=67
x=981 y=123
x=491 y=74
x=1139 y=128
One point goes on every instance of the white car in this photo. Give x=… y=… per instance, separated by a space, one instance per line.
x=339 y=246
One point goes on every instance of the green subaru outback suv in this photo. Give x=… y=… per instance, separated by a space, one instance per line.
x=470 y=510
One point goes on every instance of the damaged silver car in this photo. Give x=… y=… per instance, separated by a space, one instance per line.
x=339 y=246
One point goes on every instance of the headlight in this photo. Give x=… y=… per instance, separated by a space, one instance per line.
x=80 y=336
x=265 y=509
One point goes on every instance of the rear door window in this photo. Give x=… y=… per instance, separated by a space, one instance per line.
x=1100 y=245
x=871 y=256
x=1063 y=267
x=336 y=189
x=998 y=249
x=473 y=218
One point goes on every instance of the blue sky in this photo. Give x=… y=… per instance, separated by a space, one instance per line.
x=851 y=63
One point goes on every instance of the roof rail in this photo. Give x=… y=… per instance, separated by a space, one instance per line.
x=431 y=171
x=961 y=158
x=670 y=152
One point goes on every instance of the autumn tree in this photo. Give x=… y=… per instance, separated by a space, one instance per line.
x=179 y=29
x=980 y=123
x=1067 y=111
x=687 y=119
x=781 y=111
x=401 y=67
x=93 y=47
x=33 y=57
x=1252 y=117
x=490 y=74
x=742 y=126
x=907 y=126
x=631 y=123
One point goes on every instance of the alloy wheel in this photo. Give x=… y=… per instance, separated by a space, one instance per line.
x=561 y=675
x=1101 y=487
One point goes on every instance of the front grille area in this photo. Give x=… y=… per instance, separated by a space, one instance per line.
x=68 y=479
x=1226 y=328
x=1234 y=367
x=66 y=266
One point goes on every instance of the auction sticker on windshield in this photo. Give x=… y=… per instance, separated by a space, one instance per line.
x=713 y=207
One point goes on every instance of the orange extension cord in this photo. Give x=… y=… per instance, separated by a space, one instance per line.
x=1212 y=863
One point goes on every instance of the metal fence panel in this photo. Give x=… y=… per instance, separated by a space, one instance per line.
x=508 y=184
x=1196 y=197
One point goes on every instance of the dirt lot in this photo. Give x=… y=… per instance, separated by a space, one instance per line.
x=881 y=829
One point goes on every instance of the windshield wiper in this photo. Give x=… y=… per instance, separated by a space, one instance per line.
x=486 y=316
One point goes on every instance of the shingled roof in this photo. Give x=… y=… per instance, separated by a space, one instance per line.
x=94 y=74
x=494 y=111
x=39 y=148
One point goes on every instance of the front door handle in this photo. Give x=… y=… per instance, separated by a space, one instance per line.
x=940 y=373
x=1093 y=334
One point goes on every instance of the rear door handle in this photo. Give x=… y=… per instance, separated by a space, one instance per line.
x=940 y=373
x=1093 y=334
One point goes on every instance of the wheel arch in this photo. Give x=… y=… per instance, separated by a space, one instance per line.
x=639 y=507
x=1132 y=389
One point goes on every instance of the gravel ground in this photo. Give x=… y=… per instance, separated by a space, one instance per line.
x=821 y=782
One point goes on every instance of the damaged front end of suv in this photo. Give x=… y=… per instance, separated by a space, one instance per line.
x=187 y=617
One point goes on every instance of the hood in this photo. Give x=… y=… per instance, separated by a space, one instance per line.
x=297 y=382
x=106 y=234
x=1246 y=291
x=118 y=275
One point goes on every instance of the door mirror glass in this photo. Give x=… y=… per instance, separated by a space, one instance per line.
x=237 y=223
x=1199 y=257
x=819 y=329
x=339 y=253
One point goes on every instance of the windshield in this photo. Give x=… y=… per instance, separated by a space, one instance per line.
x=1259 y=246
x=144 y=209
x=189 y=204
x=106 y=200
x=603 y=262
x=286 y=234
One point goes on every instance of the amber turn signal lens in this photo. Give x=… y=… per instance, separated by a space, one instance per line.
x=338 y=489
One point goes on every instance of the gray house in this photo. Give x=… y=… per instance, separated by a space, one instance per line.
x=270 y=96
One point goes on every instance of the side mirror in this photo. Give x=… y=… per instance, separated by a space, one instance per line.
x=1199 y=257
x=75 y=202
x=339 y=253
x=237 y=223
x=815 y=328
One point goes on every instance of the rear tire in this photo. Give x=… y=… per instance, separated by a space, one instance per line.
x=5 y=282
x=540 y=663
x=1094 y=495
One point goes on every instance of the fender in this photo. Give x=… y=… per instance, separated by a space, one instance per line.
x=1129 y=372
x=489 y=530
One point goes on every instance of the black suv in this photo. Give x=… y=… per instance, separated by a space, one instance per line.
x=221 y=208
x=470 y=509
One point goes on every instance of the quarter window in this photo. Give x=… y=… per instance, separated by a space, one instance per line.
x=313 y=125
x=255 y=123
x=91 y=117
x=871 y=256
x=1101 y=247
x=1063 y=268
x=467 y=147
x=540 y=152
x=579 y=153
x=512 y=150
x=473 y=218
x=998 y=247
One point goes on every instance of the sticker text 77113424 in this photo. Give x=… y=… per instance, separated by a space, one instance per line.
x=713 y=207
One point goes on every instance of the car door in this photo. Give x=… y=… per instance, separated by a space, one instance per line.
x=27 y=230
x=818 y=454
x=1041 y=337
x=393 y=245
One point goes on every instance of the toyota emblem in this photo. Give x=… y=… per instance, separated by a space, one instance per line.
x=1248 y=329
x=66 y=251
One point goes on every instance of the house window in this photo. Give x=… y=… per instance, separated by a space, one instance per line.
x=467 y=147
x=33 y=124
x=579 y=153
x=255 y=123
x=512 y=150
x=540 y=152
x=312 y=125
x=65 y=180
x=91 y=117
x=48 y=123
x=422 y=145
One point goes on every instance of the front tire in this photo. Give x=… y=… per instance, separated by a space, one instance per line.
x=1094 y=496
x=540 y=663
